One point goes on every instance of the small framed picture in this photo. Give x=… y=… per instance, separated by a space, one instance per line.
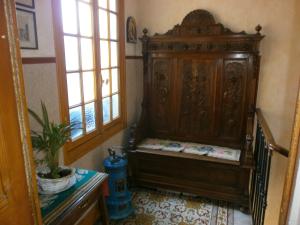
x=27 y=29
x=131 y=30
x=26 y=3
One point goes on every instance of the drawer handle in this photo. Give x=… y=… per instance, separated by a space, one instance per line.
x=83 y=205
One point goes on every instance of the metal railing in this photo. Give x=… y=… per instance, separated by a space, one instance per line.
x=269 y=137
x=265 y=145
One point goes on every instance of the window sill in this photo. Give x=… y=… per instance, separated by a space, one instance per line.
x=73 y=154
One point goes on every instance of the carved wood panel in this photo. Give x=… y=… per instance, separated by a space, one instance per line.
x=160 y=101
x=197 y=97
x=233 y=98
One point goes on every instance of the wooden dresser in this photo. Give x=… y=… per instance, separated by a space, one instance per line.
x=83 y=204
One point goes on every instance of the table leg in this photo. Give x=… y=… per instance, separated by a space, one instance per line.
x=103 y=210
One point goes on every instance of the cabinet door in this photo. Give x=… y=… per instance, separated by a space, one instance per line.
x=161 y=96
x=15 y=204
x=233 y=99
x=196 y=111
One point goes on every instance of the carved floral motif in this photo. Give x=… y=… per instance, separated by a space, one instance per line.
x=233 y=87
x=160 y=90
x=195 y=116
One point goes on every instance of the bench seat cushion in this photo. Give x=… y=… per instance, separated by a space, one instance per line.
x=191 y=148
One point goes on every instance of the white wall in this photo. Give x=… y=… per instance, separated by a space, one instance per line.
x=43 y=11
x=131 y=9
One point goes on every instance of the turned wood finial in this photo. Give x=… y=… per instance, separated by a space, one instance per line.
x=258 y=28
x=145 y=31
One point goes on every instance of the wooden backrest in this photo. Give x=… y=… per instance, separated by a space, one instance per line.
x=200 y=81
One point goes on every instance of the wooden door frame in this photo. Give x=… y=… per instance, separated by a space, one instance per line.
x=17 y=74
x=292 y=168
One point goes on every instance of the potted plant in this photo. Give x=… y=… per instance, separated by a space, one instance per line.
x=48 y=141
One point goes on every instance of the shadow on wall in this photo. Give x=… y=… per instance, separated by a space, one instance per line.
x=293 y=74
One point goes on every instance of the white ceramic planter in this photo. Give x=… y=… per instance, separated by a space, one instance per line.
x=53 y=186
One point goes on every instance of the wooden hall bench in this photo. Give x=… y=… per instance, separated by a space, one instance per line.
x=200 y=86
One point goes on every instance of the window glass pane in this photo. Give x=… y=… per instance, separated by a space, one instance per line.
x=69 y=13
x=85 y=19
x=106 y=110
x=74 y=90
x=103 y=24
x=113 y=5
x=105 y=83
x=114 y=80
x=87 y=61
x=113 y=26
x=115 y=106
x=90 y=117
x=76 y=117
x=102 y=3
x=88 y=86
x=104 y=54
x=114 y=54
x=71 y=53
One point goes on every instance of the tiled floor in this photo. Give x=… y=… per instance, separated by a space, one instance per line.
x=239 y=218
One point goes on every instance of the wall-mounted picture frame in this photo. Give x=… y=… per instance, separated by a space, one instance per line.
x=27 y=29
x=26 y=3
x=131 y=30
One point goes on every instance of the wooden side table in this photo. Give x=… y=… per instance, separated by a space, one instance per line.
x=83 y=204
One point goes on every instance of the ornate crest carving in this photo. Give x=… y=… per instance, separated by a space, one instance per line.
x=200 y=22
x=206 y=36
x=200 y=18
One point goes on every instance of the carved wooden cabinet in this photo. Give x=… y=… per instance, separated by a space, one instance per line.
x=200 y=84
x=200 y=98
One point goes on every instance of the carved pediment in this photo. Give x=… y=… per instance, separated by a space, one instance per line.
x=200 y=22
x=205 y=35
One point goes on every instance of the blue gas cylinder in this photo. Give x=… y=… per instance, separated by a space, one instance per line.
x=119 y=200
